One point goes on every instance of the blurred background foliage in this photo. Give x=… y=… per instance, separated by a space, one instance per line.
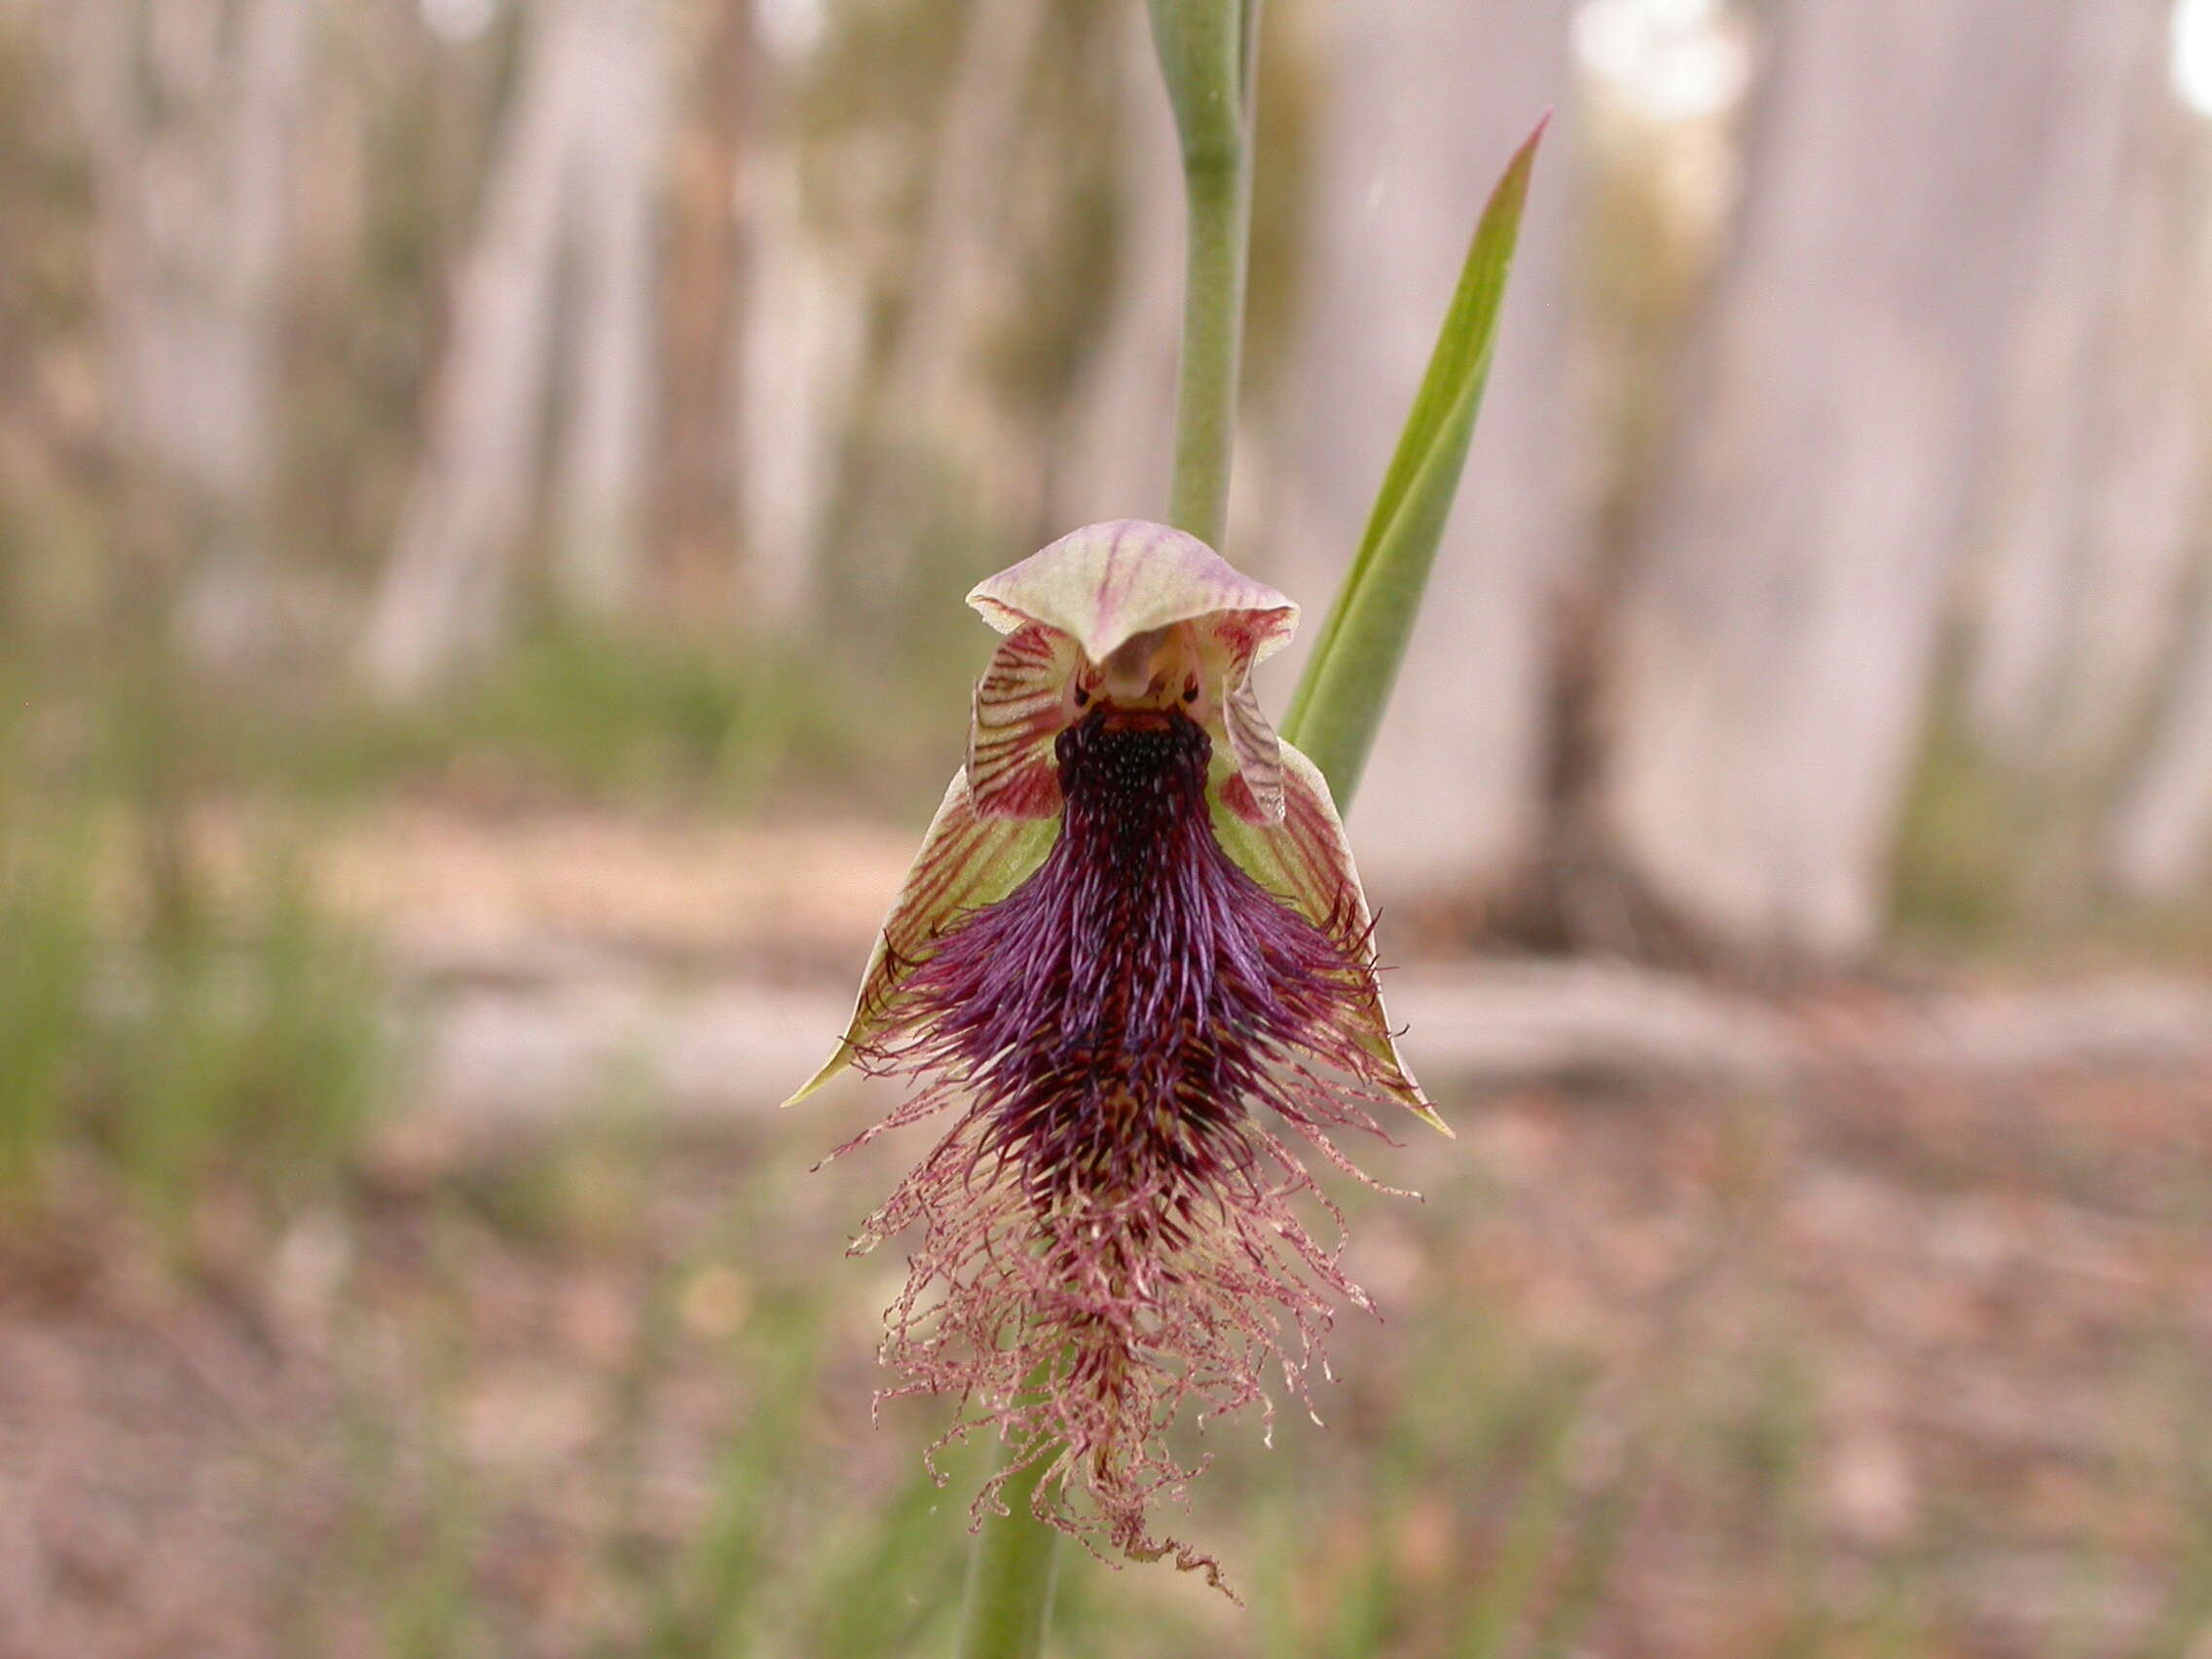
x=485 y=489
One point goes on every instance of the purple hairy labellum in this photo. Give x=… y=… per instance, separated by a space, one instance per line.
x=1135 y=958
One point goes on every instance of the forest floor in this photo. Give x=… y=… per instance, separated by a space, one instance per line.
x=1760 y=1358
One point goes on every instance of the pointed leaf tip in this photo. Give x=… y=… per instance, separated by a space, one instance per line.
x=1338 y=706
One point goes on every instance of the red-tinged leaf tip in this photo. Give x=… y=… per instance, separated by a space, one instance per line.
x=1513 y=181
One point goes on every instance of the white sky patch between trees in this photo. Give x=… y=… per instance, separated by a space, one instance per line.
x=1680 y=59
x=458 y=20
x=2192 y=61
x=1672 y=59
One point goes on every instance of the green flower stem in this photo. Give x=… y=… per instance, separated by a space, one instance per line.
x=1206 y=52
x=1205 y=405
x=1010 y=1575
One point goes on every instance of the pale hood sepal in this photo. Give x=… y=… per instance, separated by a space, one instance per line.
x=1106 y=583
x=967 y=861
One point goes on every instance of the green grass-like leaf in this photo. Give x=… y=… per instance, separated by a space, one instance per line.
x=1338 y=706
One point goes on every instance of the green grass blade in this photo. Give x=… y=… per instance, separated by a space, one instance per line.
x=1339 y=703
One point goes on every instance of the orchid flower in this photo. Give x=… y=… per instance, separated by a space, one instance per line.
x=1134 y=957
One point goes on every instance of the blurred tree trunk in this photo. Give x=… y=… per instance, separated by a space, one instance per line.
x=706 y=270
x=1120 y=450
x=572 y=181
x=801 y=338
x=2097 y=486
x=1424 y=106
x=446 y=585
x=190 y=107
x=927 y=423
x=2161 y=835
x=1776 y=637
x=967 y=181
x=614 y=163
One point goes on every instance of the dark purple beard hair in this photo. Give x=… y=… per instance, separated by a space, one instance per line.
x=1107 y=1231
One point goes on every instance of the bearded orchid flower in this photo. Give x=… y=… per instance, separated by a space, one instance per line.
x=1134 y=957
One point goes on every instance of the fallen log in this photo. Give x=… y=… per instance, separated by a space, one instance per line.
x=517 y=1054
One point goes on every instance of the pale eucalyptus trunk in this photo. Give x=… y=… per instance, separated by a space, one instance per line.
x=1769 y=676
x=445 y=589
x=710 y=249
x=2097 y=493
x=603 y=469
x=2161 y=840
x=982 y=119
x=800 y=340
x=1424 y=105
x=929 y=429
x=190 y=109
